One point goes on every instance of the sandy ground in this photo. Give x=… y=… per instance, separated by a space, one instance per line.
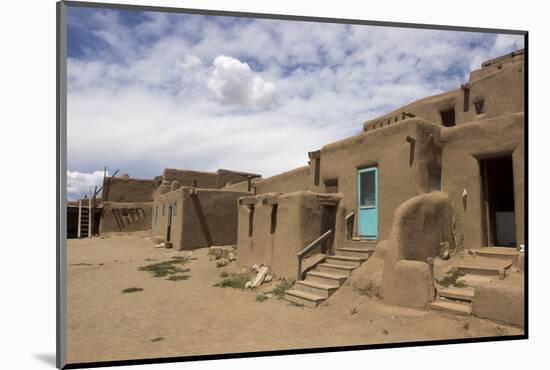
x=193 y=317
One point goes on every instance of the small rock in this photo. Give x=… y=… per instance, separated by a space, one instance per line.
x=445 y=255
x=160 y=245
x=222 y=262
x=269 y=295
x=268 y=278
x=248 y=285
x=231 y=256
x=255 y=268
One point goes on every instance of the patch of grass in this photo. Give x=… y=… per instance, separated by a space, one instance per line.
x=131 y=290
x=235 y=281
x=224 y=274
x=281 y=288
x=168 y=268
x=466 y=326
x=452 y=279
x=261 y=297
x=157 y=339
x=178 y=277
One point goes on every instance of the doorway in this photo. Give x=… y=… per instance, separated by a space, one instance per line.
x=367 y=183
x=169 y=227
x=499 y=221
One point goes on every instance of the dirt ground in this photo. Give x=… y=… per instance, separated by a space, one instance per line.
x=192 y=317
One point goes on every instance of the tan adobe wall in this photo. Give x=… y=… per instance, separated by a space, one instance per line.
x=219 y=208
x=298 y=223
x=463 y=147
x=207 y=180
x=125 y=189
x=125 y=217
x=403 y=170
x=294 y=180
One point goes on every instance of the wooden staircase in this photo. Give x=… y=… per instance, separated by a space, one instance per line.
x=321 y=282
x=454 y=300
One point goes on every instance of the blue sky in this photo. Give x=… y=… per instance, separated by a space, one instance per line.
x=149 y=90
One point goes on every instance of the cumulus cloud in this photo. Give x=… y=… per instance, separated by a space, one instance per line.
x=80 y=183
x=233 y=82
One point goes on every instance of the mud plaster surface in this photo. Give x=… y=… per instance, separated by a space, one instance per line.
x=193 y=317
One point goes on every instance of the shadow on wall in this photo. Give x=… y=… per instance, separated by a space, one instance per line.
x=419 y=226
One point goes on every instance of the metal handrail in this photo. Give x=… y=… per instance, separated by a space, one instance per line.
x=350 y=215
x=312 y=245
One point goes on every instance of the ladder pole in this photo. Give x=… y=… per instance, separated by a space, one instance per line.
x=89 y=217
x=79 y=218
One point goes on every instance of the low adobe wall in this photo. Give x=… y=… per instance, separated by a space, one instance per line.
x=419 y=225
x=499 y=300
x=118 y=217
x=273 y=228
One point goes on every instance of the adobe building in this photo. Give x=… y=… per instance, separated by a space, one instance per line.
x=193 y=209
x=444 y=173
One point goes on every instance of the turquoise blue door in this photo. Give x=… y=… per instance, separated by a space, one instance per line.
x=367 y=184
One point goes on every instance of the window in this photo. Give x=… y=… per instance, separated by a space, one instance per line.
x=448 y=117
x=434 y=176
x=480 y=106
x=367 y=197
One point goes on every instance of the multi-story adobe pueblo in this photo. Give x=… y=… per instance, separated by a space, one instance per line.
x=432 y=190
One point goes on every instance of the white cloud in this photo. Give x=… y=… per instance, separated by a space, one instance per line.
x=184 y=97
x=233 y=82
x=80 y=183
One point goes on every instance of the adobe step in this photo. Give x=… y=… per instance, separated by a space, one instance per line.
x=452 y=307
x=335 y=269
x=326 y=278
x=501 y=253
x=484 y=270
x=345 y=260
x=323 y=290
x=303 y=298
x=464 y=294
x=355 y=251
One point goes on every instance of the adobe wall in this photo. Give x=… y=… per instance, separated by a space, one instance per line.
x=418 y=226
x=219 y=209
x=126 y=189
x=125 y=217
x=207 y=180
x=226 y=176
x=463 y=147
x=299 y=222
x=239 y=186
x=297 y=179
x=403 y=170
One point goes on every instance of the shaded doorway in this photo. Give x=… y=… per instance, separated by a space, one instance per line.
x=169 y=227
x=499 y=221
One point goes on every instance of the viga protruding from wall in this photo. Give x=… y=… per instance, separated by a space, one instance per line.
x=419 y=226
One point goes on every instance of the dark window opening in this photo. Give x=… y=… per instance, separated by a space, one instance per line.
x=466 y=100
x=331 y=185
x=273 y=218
x=448 y=117
x=328 y=222
x=250 y=220
x=480 y=106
